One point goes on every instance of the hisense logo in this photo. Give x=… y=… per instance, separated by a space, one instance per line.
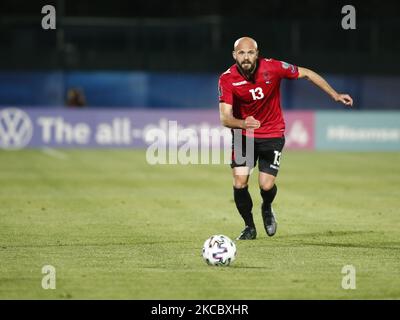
x=15 y=129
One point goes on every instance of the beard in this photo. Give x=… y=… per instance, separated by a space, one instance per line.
x=247 y=67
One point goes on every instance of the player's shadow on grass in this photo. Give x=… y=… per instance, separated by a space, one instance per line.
x=318 y=236
x=328 y=233
x=376 y=245
x=236 y=266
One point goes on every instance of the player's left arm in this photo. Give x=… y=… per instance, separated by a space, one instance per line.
x=321 y=83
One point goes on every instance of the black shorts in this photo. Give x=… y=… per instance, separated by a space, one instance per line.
x=267 y=151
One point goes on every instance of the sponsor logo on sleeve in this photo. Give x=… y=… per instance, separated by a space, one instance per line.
x=286 y=65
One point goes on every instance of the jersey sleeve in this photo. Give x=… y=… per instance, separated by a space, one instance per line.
x=225 y=91
x=286 y=70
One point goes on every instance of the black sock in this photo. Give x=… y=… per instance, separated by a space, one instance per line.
x=244 y=204
x=268 y=197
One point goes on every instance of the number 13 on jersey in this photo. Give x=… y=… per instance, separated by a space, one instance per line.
x=257 y=93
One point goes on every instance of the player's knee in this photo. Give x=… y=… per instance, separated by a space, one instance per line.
x=267 y=185
x=240 y=184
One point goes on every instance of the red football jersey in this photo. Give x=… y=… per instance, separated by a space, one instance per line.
x=259 y=97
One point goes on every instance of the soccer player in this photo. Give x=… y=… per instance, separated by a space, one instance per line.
x=249 y=99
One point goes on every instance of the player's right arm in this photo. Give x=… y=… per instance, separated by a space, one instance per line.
x=226 y=109
x=228 y=120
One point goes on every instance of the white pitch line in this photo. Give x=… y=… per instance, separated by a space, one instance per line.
x=54 y=153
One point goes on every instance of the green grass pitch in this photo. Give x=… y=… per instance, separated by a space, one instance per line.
x=115 y=227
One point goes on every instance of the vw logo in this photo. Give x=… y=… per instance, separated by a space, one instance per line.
x=15 y=129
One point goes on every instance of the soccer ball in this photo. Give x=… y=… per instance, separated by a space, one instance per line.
x=219 y=250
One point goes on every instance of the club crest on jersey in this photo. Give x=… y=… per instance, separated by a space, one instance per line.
x=266 y=77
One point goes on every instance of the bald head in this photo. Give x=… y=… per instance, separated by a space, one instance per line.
x=245 y=53
x=245 y=42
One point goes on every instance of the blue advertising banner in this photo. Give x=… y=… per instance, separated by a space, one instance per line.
x=357 y=131
x=67 y=128
x=106 y=128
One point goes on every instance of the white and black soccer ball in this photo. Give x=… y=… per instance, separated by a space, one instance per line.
x=219 y=250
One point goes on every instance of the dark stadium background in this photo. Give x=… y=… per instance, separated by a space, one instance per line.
x=193 y=39
x=87 y=111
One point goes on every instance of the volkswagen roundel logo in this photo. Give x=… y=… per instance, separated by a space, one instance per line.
x=15 y=129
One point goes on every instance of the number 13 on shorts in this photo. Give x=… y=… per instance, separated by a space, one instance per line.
x=277 y=158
